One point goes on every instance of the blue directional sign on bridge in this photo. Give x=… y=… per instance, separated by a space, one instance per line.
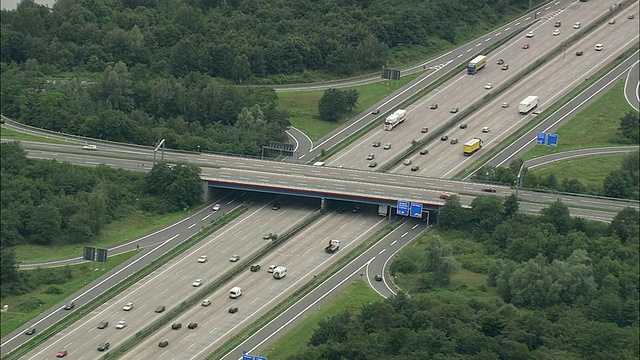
x=403 y=208
x=416 y=210
x=552 y=139
x=541 y=138
x=260 y=358
x=247 y=357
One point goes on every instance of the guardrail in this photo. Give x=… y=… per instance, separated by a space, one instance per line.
x=123 y=285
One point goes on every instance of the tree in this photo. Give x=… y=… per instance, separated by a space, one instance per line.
x=241 y=68
x=116 y=87
x=486 y=213
x=336 y=103
x=511 y=205
x=616 y=184
x=558 y=215
x=451 y=215
x=44 y=225
x=630 y=127
x=439 y=262
x=626 y=225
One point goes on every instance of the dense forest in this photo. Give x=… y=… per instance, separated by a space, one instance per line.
x=49 y=203
x=556 y=288
x=142 y=70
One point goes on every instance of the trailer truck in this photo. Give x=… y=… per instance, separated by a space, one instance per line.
x=333 y=246
x=395 y=119
x=471 y=146
x=476 y=64
x=528 y=104
x=279 y=272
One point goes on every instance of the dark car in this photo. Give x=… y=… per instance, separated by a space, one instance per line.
x=376 y=144
x=176 y=326
x=424 y=152
x=378 y=277
x=69 y=306
x=415 y=168
x=163 y=343
x=505 y=67
x=355 y=209
x=233 y=310
x=255 y=268
x=104 y=346
x=30 y=331
x=463 y=126
x=433 y=106
x=444 y=138
x=489 y=190
x=500 y=61
x=192 y=325
x=160 y=309
x=376 y=111
x=276 y=206
x=579 y=53
x=341 y=210
x=103 y=324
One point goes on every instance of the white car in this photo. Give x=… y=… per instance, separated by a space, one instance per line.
x=599 y=47
x=216 y=207
x=407 y=162
x=203 y=259
x=485 y=129
x=577 y=25
x=488 y=86
x=90 y=147
x=128 y=306
x=234 y=258
x=197 y=283
x=271 y=267
x=556 y=32
x=206 y=302
x=121 y=324
x=505 y=105
x=530 y=34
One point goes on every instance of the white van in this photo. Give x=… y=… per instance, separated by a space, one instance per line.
x=319 y=163
x=599 y=47
x=235 y=292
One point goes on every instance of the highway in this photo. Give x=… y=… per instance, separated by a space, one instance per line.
x=576 y=154
x=172 y=283
x=632 y=86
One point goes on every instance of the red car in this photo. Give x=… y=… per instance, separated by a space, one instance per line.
x=525 y=46
x=62 y=353
x=444 y=196
x=505 y=67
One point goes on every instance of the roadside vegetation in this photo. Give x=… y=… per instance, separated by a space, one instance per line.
x=492 y=283
x=10 y=134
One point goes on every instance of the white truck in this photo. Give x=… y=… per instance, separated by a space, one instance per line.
x=528 y=104
x=279 y=272
x=333 y=246
x=395 y=119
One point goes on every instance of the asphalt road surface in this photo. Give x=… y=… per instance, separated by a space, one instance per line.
x=576 y=154
x=632 y=86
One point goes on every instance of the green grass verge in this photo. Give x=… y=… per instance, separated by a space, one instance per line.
x=590 y=171
x=81 y=275
x=115 y=233
x=295 y=341
x=594 y=126
x=10 y=134
x=303 y=105
x=115 y=290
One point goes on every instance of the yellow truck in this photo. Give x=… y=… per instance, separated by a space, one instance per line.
x=472 y=146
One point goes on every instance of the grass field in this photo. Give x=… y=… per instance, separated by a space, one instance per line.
x=40 y=300
x=303 y=105
x=590 y=171
x=352 y=299
x=594 y=126
x=118 y=232
x=6 y=133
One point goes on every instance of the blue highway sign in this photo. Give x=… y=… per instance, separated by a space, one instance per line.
x=552 y=139
x=247 y=357
x=541 y=138
x=403 y=208
x=416 y=210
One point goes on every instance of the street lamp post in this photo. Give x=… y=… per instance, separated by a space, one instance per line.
x=519 y=180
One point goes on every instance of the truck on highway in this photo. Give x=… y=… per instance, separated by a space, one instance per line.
x=333 y=246
x=279 y=272
x=528 y=104
x=476 y=64
x=383 y=210
x=395 y=119
x=471 y=146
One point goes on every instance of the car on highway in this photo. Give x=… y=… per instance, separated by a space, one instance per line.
x=216 y=207
x=128 y=306
x=558 y=24
x=406 y=162
x=276 y=206
x=163 y=343
x=341 y=210
x=376 y=144
x=599 y=47
x=255 y=268
x=505 y=67
x=444 y=137
x=424 y=151
x=234 y=258
x=612 y=21
x=505 y=105
x=387 y=146
x=424 y=129
x=104 y=346
x=463 y=126
x=488 y=86
x=577 y=25
x=176 y=326
x=378 y=277
x=159 y=309
x=90 y=147
x=485 y=129
x=103 y=324
x=415 y=168
x=267 y=236
x=453 y=110
x=192 y=325
x=454 y=141
x=376 y=111
x=205 y=302
x=203 y=259
x=30 y=331
x=579 y=53
x=433 y=106
x=233 y=310
x=271 y=268
x=371 y=156
x=525 y=46
x=373 y=164
x=444 y=196
x=196 y=283
x=530 y=34
x=500 y=61
x=355 y=209
x=121 y=324
x=632 y=16
x=69 y=306
x=62 y=353
x=556 y=32
x=489 y=190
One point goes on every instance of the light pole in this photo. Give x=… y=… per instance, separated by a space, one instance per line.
x=198 y=149
x=519 y=180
